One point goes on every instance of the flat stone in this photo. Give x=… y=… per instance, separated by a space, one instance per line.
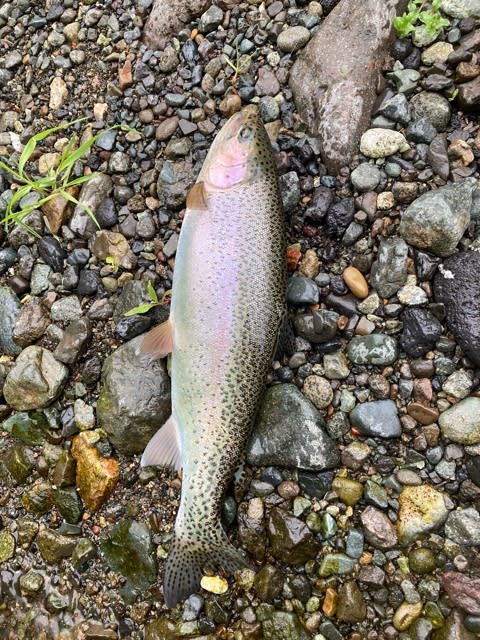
x=290 y=432
x=422 y=414
x=379 y=531
x=378 y=349
x=389 y=271
x=378 y=418
x=35 y=381
x=461 y=423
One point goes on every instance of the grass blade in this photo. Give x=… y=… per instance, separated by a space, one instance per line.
x=85 y=207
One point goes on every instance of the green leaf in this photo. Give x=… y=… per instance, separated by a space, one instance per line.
x=18 y=195
x=81 y=180
x=403 y=25
x=27 y=151
x=142 y=308
x=70 y=160
x=151 y=292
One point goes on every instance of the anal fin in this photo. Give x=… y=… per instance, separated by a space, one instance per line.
x=163 y=450
x=158 y=342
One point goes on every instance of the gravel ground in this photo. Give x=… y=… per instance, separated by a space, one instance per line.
x=359 y=504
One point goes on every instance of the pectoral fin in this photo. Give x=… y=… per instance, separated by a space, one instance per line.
x=158 y=342
x=163 y=450
x=196 y=197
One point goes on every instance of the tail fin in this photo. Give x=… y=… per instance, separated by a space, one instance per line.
x=186 y=560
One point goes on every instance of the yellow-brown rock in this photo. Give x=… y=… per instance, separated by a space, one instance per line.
x=422 y=509
x=356 y=282
x=310 y=265
x=406 y=614
x=110 y=244
x=97 y=476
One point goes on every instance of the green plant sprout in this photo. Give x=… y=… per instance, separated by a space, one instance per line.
x=430 y=17
x=113 y=262
x=146 y=306
x=58 y=180
x=241 y=64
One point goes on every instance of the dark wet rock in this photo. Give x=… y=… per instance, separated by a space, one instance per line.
x=321 y=201
x=395 y=108
x=19 y=462
x=426 y=264
x=54 y=546
x=378 y=529
x=92 y=194
x=10 y=306
x=438 y=157
x=96 y=475
x=132 y=326
x=36 y=379
x=39 y=497
x=52 y=252
x=8 y=255
x=437 y=219
x=377 y=348
x=469 y=95
x=421 y=130
x=290 y=538
x=457 y=286
x=269 y=582
x=64 y=472
x=421 y=331
x=332 y=78
x=280 y=624
x=84 y=551
x=31 y=323
x=69 y=504
x=106 y=213
x=302 y=291
x=339 y=216
x=351 y=605
x=378 y=418
x=432 y=106
x=289 y=432
x=290 y=190
x=317 y=327
x=336 y=564
x=128 y=549
x=74 y=341
x=88 y=283
x=27 y=427
x=134 y=399
x=389 y=271
x=463 y=590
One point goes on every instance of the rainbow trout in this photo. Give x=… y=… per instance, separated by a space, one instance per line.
x=227 y=306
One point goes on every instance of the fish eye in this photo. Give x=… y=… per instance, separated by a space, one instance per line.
x=245 y=134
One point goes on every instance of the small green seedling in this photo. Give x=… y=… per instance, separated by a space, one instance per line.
x=146 y=306
x=113 y=262
x=241 y=64
x=430 y=17
x=57 y=182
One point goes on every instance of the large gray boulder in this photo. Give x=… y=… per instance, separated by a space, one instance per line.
x=334 y=78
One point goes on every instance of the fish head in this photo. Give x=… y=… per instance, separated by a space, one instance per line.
x=240 y=154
